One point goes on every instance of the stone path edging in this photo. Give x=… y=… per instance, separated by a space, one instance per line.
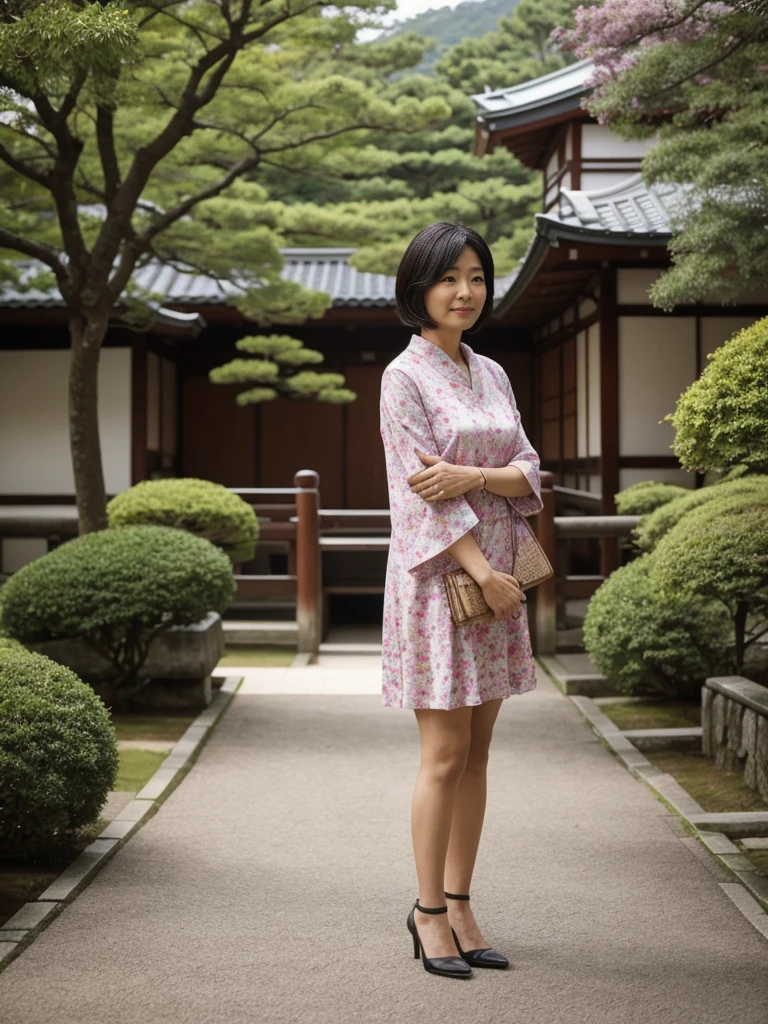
x=750 y=893
x=30 y=920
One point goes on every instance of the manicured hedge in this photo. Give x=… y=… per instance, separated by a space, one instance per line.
x=58 y=754
x=117 y=588
x=649 y=645
x=201 y=507
x=644 y=497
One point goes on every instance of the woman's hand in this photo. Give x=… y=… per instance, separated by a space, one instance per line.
x=443 y=479
x=503 y=595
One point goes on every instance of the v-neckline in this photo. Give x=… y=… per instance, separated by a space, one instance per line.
x=452 y=367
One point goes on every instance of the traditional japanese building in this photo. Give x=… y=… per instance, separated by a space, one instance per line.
x=607 y=365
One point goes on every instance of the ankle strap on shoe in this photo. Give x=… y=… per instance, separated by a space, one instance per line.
x=432 y=910
x=455 y=896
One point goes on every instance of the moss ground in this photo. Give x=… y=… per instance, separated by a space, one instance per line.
x=715 y=789
x=666 y=715
x=262 y=656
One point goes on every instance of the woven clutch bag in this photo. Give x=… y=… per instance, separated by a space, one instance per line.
x=530 y=567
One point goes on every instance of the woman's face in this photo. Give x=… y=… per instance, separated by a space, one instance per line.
x=456 y=300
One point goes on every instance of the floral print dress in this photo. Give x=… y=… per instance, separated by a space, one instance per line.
x=428 y=402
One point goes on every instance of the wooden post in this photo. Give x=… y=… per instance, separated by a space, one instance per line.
x=307 y=561
x=544 y=621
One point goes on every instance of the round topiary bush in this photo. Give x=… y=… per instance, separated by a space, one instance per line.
x=117 y=590
x=651 y=528
x=721 y=420
x=648 y=645
x=199 y=506
x=644 y=497
x=719 y=552
x=58 y=755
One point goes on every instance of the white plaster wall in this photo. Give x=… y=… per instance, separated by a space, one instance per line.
x=581 y=395
x=586 y=308
x=594 y=390
x=599 y=140
x=34 y=429
x=717 y=329
x=592 y=181
x=657 y=362
x=595 y=484
x=627 y=477
x=18 y=551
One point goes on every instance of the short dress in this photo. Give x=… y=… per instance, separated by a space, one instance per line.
x=427 y=402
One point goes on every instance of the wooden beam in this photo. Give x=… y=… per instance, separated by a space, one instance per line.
x=609 y=408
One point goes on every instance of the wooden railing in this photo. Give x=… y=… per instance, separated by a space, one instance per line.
x=292 y=516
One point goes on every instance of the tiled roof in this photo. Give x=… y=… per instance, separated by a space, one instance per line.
x=560 y=90
x=629 y=209
x=629 y=213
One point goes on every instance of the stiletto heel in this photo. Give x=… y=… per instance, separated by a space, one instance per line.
x=451 y=966
x=487 y=957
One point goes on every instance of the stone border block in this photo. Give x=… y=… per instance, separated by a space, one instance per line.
x=28 y=916
x=158 y=784
x=748 y=905
x=117 y=829
x=135 y=810
x=78 y=870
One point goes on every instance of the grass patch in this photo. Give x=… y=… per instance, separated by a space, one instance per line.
x=715 y=789
x=136 y=768
x=258 y=656
x=667 y=715
x=151 y=727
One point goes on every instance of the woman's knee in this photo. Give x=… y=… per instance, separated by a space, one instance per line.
x=444 y=766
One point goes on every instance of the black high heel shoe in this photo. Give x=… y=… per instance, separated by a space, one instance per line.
x=487 y=957
x=451 y=966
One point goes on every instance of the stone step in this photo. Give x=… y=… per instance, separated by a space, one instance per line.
x=734 y=823
x=687 y=738
x=576 y=676
x=242 y=631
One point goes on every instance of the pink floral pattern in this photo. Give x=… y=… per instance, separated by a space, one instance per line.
x=427 y=402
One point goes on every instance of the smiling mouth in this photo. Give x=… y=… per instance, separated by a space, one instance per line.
x=463 y=309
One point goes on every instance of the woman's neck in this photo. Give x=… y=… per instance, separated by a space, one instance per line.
x=449 y=341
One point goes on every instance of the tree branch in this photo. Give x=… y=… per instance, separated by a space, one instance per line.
x=105 y=140
x=23 y=168
x=36 y=250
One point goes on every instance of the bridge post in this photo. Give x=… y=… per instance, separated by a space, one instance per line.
x=308 y=576
x=544 y=618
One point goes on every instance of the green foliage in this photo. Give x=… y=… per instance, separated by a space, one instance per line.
x=117 y=589
x=201 y=507
x=58 y=755
x=719 y=552
x=280 y=352
x=655 y=525
x=721 y=420
x=644 y=497
x=646 y=644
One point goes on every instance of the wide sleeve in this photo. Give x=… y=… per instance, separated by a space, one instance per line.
x=421 y=530
x=525 y=458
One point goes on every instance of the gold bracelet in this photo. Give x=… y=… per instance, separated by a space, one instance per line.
x=485 y=482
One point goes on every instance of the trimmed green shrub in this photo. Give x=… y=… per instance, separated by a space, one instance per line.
x=721 y=420
x=199 y=506
x=58 y=755
x=651 y=528
x=644 y=497
x=649 y=645
x=719 y=551
x=117 y=590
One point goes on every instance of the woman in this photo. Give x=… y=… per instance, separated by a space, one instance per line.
x=458 y=463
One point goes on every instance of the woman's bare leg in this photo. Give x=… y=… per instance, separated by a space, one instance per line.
x=445 y=742
x=467 y=825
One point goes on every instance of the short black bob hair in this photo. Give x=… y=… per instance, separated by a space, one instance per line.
x=433 y=251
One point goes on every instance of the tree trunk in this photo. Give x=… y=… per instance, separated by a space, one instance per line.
x=86 y=335
x=740 y=623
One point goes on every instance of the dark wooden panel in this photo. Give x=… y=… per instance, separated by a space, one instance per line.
x=302 y=434
x=366 y=471
x=219 y=436
x=517 y=366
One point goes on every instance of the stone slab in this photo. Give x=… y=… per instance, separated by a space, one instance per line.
x=243 y=632
x=6 y=948
x=717 y=842
x=665 y=739
x=738 y=823
x=117 y=829
x=135 y=810
x=78 y=870
x=737 y=862
x=674 y=794
x=756 y=883
x=158 y=784
x=755 y=843
x=748 y=905
x=13 y=936
x=28 y=916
